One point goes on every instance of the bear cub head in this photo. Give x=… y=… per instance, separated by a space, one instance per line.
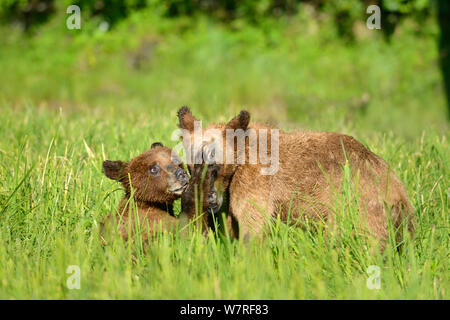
x=216 y=176
x=155 y=176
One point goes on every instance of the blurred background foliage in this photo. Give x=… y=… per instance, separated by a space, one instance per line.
x=312 y=62
x=344 y=12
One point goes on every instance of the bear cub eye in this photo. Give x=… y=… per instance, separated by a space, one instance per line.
x=154 y=170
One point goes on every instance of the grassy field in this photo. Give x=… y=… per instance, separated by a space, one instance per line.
x=71 y=100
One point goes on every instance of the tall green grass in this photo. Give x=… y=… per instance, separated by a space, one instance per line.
x=53 y=196
x=68 y=102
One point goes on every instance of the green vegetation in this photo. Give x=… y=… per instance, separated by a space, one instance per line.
x=70 y=99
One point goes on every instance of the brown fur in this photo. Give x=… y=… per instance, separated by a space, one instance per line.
x=309 y=177
x=198 y=199
x=153 y=194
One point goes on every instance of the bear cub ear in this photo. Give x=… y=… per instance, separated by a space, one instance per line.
x=114 y=169
x=156 y=144
x=186 y=119
x=241 y=121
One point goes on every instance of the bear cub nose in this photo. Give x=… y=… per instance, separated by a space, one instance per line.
x=181 y=175
x=212 y=197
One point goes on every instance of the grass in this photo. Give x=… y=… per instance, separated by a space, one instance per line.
x=68 y=102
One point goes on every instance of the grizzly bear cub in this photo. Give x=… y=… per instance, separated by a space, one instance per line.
x=310 y=176
x=152 y=181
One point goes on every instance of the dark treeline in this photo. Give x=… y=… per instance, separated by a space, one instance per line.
x=32 y=12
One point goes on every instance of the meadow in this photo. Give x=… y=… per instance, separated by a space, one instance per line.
x=70 y=99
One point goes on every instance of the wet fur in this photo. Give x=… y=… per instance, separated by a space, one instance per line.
x=310 y=176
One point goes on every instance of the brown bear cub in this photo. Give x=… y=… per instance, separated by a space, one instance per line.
x=308 y=181
x=152 y=181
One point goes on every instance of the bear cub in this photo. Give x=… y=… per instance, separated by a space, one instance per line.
x=152 y=181
x=308 y=183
